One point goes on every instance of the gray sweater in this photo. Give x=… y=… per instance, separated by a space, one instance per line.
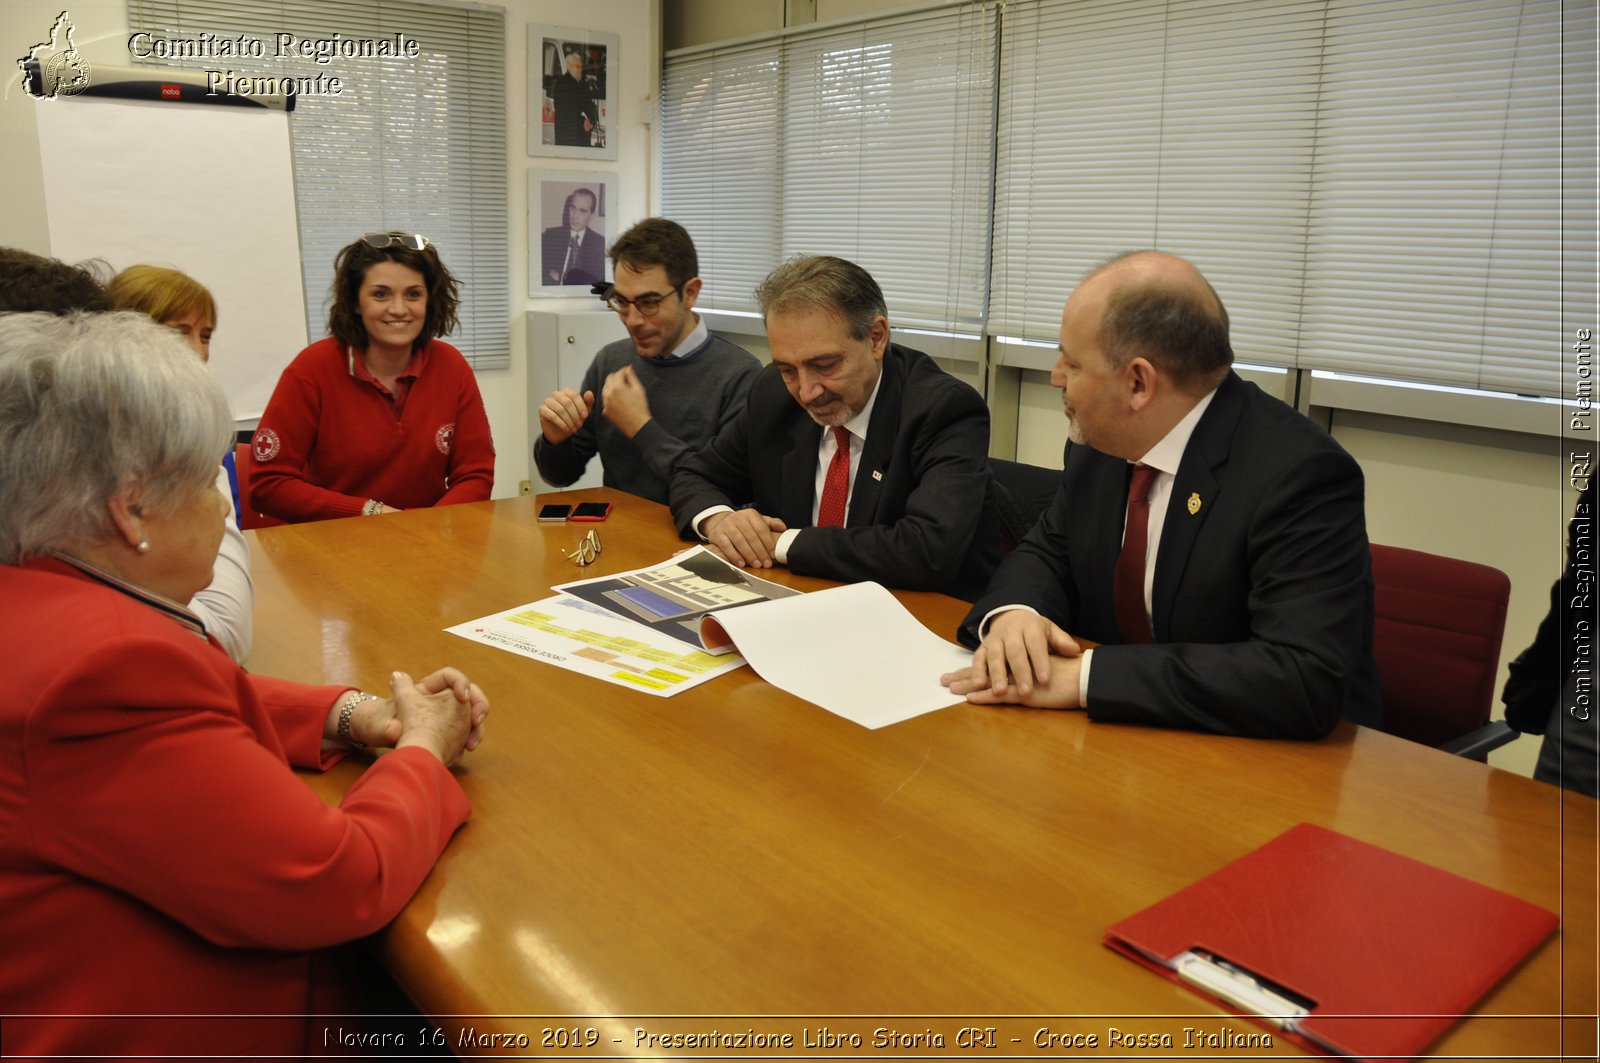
x=690 y=399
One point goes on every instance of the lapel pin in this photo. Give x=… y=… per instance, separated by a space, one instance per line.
x=1194 y=503
x=876 y=475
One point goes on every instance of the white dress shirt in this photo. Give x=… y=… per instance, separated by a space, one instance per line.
x=857 y=427
x=1164 y=457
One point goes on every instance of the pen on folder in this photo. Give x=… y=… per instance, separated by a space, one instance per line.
x=1239 y=988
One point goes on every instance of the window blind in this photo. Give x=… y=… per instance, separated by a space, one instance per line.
x=719 y=165
x=1188 y=127
x=413 y=144
x=1374 y=186
x=1435 y=223
x=872 y=141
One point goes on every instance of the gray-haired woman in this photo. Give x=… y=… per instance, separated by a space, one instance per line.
x=157 y=855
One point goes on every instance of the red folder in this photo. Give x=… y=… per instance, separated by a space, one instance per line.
x=1385 y=952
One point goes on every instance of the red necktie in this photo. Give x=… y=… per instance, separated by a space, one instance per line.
x=1127 y=584
x=836 y=486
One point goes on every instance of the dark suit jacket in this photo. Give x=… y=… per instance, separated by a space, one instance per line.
x=573 y=101
x=588 y=268
x=919 y=517
x=1262 y=599
x=1533 y=685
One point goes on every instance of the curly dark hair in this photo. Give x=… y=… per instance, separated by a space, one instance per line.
x=658 y=242
x=30 y=282
x=350 y=269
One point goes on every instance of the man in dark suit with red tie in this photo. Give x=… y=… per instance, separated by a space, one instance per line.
x=854 y=458
x=1211 y=538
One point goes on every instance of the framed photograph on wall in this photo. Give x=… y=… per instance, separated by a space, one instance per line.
x=568 y=230
x=570 y=88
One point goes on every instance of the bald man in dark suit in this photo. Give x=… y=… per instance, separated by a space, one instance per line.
x=1235 y=594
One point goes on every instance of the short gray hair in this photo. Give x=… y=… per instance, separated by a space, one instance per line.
x=822 y=282
x=91 y=404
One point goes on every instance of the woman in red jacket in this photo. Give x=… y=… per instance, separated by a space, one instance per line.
x=158 y=857
x=381 y=415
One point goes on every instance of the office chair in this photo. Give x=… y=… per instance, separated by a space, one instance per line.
x=244 y=464
x=1022 y=493
x=1439 y=622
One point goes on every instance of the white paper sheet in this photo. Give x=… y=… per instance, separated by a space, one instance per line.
x=853 y=650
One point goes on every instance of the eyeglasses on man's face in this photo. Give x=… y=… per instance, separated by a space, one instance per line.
x=415 y=241
x=648 y=304
x=587 y=550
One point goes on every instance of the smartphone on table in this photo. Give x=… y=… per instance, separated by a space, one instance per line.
x=554 y=513
x=591 y=511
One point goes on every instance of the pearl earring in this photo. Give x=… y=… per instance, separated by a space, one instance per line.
x=144 y=546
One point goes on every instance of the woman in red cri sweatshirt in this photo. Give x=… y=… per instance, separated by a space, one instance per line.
x=381 y=415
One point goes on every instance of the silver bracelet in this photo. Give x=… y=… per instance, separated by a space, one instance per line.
x=372 y=508
x=351 y=700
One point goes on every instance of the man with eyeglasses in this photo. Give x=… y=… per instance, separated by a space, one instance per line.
x=648 y=401
x=855 y=458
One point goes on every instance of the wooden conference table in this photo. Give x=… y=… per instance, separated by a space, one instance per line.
x=736 y=855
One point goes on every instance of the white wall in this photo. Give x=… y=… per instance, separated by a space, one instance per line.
x=690 y=22
x=102 y=35
x=686 y=23
x=1498 y=498
x=635 y=22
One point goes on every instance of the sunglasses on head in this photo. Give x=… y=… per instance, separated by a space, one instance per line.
x=415 y=241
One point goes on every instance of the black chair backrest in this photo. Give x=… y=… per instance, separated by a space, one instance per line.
x=1022 y=493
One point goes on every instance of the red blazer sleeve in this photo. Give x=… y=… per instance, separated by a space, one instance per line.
x=159 y=772
x=291 y=707
x=471 y=472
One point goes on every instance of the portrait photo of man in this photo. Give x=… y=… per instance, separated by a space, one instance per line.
x=574 y=253
x=568 y=210
x=569 y=100
x=577 y=118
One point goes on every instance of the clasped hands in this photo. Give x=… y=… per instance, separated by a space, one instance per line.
x=442 y=712
x=1024 y=659
x=743 y=537
x=626 y=406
